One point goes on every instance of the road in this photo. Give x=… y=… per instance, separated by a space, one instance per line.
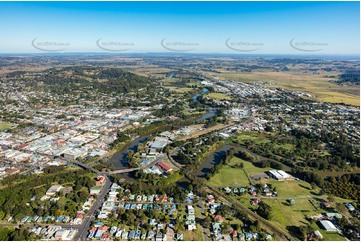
x=85 y=226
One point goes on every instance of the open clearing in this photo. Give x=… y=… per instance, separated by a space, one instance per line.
x=235 y=177
x=218 y=96
x=5 y=126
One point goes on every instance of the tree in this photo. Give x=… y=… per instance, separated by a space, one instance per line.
x=331 y=198
x=264 y=210
x=207 y=222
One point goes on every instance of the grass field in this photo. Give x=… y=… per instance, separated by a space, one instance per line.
x=251 y=136
x=228 y=176
x=5 y=126
x=235 y=177
x=180 y=89
x=218 y=96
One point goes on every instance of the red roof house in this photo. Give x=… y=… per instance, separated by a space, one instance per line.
x=164 y=167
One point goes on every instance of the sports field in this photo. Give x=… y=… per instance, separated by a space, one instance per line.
x=5 y=126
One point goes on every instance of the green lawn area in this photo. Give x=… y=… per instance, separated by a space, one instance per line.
x=218 y=96
x=328 y=236
x=235 y=177
x=5 y=126
x=180 y=89
x=252 y=169
x=251 y=136
x=228 y=176
x=286 y=215
x=291 y=188
x=258 y=138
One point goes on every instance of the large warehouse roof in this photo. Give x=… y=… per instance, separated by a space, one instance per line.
x=328 y=225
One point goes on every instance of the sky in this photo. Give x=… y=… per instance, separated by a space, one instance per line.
x=194 y=27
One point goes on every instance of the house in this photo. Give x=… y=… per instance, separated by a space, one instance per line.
x=234 y=233
x=150 y=235
x=326 y=204
x=103 y=214
x=53 y=190
x=291 y=201
x=164 y=167
x=227 y=189
x=125 y=235
x=255 y=200
x=131 y=235
x=333 y=215
x=267 y=191
x=190 y=209
x=100 y=181
x=92 y=232
x=152 y=222
x=218 y=218
x=191 y=227
x=216 y=227
x=80 y=214
x=95 y=190
x=159 y=237
x=350 y=207
x=58 y=234
x=248 y=236
x=318 y=234
x=137 y=235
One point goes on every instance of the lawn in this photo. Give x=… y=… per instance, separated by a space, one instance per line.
x=289 y=189
x=231 y=177
x=5 y=126
x=218 y=96
x=235 y=177
x=251 y=136
x=258 y=138
x=286 y=215
x=179 y=89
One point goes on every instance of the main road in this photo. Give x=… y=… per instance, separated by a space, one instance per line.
x=85 y=226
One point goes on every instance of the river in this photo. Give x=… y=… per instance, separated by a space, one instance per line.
x=211 y=112
x=120 y=160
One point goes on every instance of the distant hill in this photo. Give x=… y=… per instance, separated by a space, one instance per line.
x=65 y=80
x=349 y=77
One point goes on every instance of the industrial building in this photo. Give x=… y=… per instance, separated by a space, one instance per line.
x=328 y=225
x=280 y=175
